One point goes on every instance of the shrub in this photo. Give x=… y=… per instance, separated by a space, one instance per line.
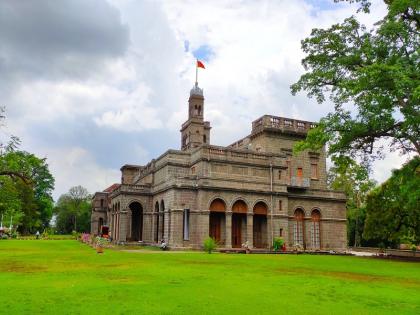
x=45 y=235
x=209 y=245
x=278 y=243
x=75 y=234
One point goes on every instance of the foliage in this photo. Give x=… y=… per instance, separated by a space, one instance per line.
x=374 y=72
x=209 y=245
x=393 y=209
x=25 y=186
x=352 y=178
x=29 y=203
x=278 y=243
x=73 y=210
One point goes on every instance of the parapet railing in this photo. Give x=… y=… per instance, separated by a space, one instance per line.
x=283 y=124
x=227 y=153
x=128 y=188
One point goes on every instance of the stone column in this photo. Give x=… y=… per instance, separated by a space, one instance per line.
x=203 y=226
x=129 y=227
x=270 y=226
x=228 y=230
x=123 y=226
x=166 y=226
x=176 y=228
x=250 y=229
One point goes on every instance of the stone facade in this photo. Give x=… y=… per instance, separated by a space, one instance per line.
x=251 y=191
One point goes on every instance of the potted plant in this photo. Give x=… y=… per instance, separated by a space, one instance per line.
x=100 y=244
x=278 y=243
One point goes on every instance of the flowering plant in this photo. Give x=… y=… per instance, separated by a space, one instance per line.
x=101 y=241
x=85 y=238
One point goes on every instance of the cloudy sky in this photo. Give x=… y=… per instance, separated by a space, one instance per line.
x=95 y=84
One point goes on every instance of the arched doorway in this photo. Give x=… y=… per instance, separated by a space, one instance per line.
x=315 y=229
x=239 y=211
x=260 y=225
x=162 y=220
x=217 y=220
x=136 y=221
x=157 y=222
x=298 y=229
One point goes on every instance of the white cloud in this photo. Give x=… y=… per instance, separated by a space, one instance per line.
x=143 y=89
x=77 y=166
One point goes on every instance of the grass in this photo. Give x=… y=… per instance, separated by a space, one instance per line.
x=68 y=277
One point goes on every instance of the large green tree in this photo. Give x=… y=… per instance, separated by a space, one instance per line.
x=393 y=209
x=26 y=185
x=353 y=178
x=73 y=211
x=373 y=79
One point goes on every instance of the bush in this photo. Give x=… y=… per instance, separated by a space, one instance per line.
x=45 y=235
x=209 y=245
x=278 y=243
x=75 y=234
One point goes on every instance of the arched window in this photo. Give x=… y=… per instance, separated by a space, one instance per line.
x=298 y=230
x=315 y=229
x=204 y=139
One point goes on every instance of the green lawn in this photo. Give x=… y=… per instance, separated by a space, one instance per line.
x=68 y=277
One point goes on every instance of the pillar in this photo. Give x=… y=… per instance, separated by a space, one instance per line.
x=123 y=226
x=176 y=236
x=228 y=230
x=250 y=230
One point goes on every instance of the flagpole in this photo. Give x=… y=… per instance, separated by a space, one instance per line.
x=196 y=72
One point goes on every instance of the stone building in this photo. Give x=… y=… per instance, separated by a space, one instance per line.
x=253 y=190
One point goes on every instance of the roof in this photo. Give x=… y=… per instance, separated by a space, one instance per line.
x=111 y=188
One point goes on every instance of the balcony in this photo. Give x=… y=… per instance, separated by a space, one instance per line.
x=298 y=183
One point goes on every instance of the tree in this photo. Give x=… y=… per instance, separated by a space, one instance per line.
x=25 y=186
x=73 y=211
x=393 y=209
x=375 y=72
x=352 y=178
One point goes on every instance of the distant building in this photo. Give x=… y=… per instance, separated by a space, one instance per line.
x=253 y=190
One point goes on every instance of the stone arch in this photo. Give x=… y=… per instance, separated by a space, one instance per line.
x=214 y=198
x=260 y=207
x=136 y=210
x=301 y=208
x=240 y=206
x=316 y=214
x=218 y=205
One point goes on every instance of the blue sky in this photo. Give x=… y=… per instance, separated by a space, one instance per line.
x=100 y=83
